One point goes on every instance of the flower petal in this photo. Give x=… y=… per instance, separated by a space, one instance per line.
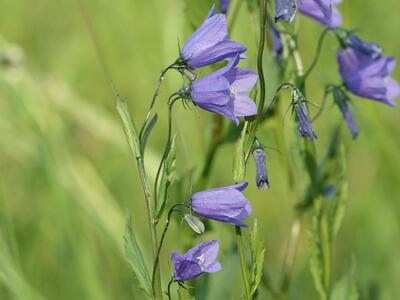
x=244 y=106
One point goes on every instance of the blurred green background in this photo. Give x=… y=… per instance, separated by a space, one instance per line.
x=67 y=177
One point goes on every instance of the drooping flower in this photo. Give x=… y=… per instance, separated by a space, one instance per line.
x=342 y=101
x=285 y=10
x=261 y=169
x=367 y=77
x=303 y=123
x=198 y=260
x=324 y=11
x=277 y=46
x=371 y=49
x=210 y=43
x=224 y=204
x=224 y=5
x=224 y=91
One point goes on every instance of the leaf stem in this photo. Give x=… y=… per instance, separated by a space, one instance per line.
x=243 y=264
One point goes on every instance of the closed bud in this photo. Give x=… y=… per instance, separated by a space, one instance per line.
x=194 y=223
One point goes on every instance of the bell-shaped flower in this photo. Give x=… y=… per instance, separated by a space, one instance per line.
x=261 y=168
x=196 y=261
x=371 y=49
x=210 y=43
x=368 y=77
x=303 y=122
x=324 y=11
x=285 y=10
x=277 y=45
x=224 y=204
x=224 y=91
x=342 y=101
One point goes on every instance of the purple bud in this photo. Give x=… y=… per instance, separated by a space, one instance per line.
x=224 y=5
x=198 y=260
x=303 y=123
x=368 y=77
x=342 y=101
x=210 y=43
x=285 y=10
x=329 y=191
x=277 y=46
x=324 y=11
x=224 y=204
x=224 y=91
x=261 y=169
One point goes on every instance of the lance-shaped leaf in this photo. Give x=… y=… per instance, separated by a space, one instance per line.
x=345 y=288
x=239 y=164
x=146 y=132
x=136 y=260
x=257 y=257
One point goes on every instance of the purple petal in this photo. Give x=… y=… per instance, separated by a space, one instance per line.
x=322 y=11
x=244 y=106
x=244 y=80
x=214 y=267
x=285 y=10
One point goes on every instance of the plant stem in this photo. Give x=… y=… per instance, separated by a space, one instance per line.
x=243 y=264
x=169 y=288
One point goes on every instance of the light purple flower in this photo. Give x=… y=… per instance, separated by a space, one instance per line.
x=210 y=43
x=198 y=260
x=225 y=204
x=367 y=77
x=224 y=5
x=224 y=91
x=303 y=123
x=324 y=11
x=261 y=169
x=285 y=10
x=342 y=101
x=371 y=49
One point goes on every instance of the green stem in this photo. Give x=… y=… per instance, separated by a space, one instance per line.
x=327 y=250
x=243 y=264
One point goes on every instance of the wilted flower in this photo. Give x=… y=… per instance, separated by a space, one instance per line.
x=210 y=43
x=261 y=169
x=285 y=10
x=303 y=123
x=198 y=260
x=224 y=91
x=324 y=11
x=277 y=46
x=225 y=204
x=224 y=5
x=367 y=77
x=342 y=101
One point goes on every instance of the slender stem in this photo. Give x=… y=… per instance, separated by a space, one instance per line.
x=169 y=288
x=243 y=264
x=318 y=52
x=327 y=250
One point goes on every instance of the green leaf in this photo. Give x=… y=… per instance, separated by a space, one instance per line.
x=136 y=260
x=168 y=176
x=257 y=257
x=239 y=164
x=147 y=132
x=345 y=288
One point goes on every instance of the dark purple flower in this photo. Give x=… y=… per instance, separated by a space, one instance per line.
x=198 y=260
x=224 y=91
x=277 y=46
x=371 y=49
x=261 y=169
x=324 y=11
x=303 y=123
x=225 y=204
x=210 y=43
x=224 y=5
x=342 y=101
x=367 y=77
x=285 y=10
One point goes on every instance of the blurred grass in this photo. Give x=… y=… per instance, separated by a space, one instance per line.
x=67 y=178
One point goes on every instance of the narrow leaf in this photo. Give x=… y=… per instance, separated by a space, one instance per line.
x=257 y=257
x=239 y=164
x=136 y=260
x=147 y=131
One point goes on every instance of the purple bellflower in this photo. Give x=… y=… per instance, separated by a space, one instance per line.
x=224 y=204
x=224 y=91
x=367 y=77
x=224 y=5
x=303 y=123
x=342 y=101
x=285 y=10
x=261 y=169
x=371 y=49
x=196 y=261
x=324 y=11
x=210 y=43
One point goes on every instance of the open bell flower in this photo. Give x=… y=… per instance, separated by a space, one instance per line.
x=368 y=77
x=285 y=10
x=323 y=11
x=196 y=261
x=210 y=43
x=224 y=91
x=224 y=204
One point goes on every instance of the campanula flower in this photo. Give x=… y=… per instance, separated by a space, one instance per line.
x=261 y=169
x=224 y=91
x=198 y=260
x=210 y=43
x=303 y=123
x=324 y=11
x=285 y=10
x=367 y=77
x=371 y=49
x=342 y=101
x=224 y=204
x=224 y=5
